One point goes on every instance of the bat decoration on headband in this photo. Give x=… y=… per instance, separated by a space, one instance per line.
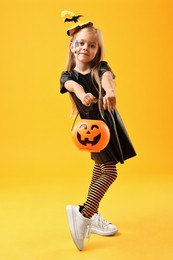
x=70 y=16
x=73 y=19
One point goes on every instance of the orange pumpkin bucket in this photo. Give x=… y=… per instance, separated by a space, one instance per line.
x=91 y=135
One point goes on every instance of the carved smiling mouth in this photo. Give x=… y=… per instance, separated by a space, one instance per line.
x=86 y=141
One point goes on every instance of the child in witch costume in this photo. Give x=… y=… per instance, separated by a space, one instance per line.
x=90 y=83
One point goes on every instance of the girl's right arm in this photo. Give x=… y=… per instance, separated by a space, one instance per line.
x=77 y=89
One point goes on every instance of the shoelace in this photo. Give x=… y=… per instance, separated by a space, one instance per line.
x=102 y=222
x=88 y=231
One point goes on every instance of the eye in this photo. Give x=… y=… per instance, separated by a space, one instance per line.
x=92 y=46
x=81 y=43
x=84 y=126
x=94 y=126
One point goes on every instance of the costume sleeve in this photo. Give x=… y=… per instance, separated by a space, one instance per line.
x=65 y=76
x=103 y=67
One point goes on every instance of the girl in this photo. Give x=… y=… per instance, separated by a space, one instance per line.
x=90 y=82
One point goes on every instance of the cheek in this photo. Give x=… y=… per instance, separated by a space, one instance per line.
x=94 y=53
x=76 y=44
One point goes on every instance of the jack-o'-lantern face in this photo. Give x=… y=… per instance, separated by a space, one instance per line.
x=88 y=134
x=91 y=135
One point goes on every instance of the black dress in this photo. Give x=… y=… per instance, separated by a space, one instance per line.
x=119 y=147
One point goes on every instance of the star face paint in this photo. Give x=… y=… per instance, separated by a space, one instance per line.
x=76 y=45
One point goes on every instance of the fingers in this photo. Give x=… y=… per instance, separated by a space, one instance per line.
x=88 y=99
x=109 y=103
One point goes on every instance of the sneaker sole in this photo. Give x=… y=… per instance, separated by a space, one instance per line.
x=72 y=226
x=101 y=233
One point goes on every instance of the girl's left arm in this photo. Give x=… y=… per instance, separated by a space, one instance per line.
x=108 y=84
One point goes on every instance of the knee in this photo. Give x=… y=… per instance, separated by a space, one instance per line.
x=109 y=169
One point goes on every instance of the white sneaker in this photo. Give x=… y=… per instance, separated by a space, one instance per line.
x=102 y=227
x=79 y=225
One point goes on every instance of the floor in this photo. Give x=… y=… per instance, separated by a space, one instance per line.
x=34 y=226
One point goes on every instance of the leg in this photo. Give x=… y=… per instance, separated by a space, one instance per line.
x=98 y=187
x=95 y=176
x=79 y=220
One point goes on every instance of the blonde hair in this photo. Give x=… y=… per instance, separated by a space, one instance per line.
x=94 y=64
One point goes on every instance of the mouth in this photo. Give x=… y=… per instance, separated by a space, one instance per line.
x=86 y=140
x=84 y=53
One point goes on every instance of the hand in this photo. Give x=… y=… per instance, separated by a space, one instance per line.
x=88 y=99
x=109 y=101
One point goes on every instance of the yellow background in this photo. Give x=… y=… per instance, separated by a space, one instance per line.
x=41 y=170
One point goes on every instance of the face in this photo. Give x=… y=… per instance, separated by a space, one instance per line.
x=84 y=46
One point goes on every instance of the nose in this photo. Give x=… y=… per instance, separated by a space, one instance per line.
x=85 y=46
